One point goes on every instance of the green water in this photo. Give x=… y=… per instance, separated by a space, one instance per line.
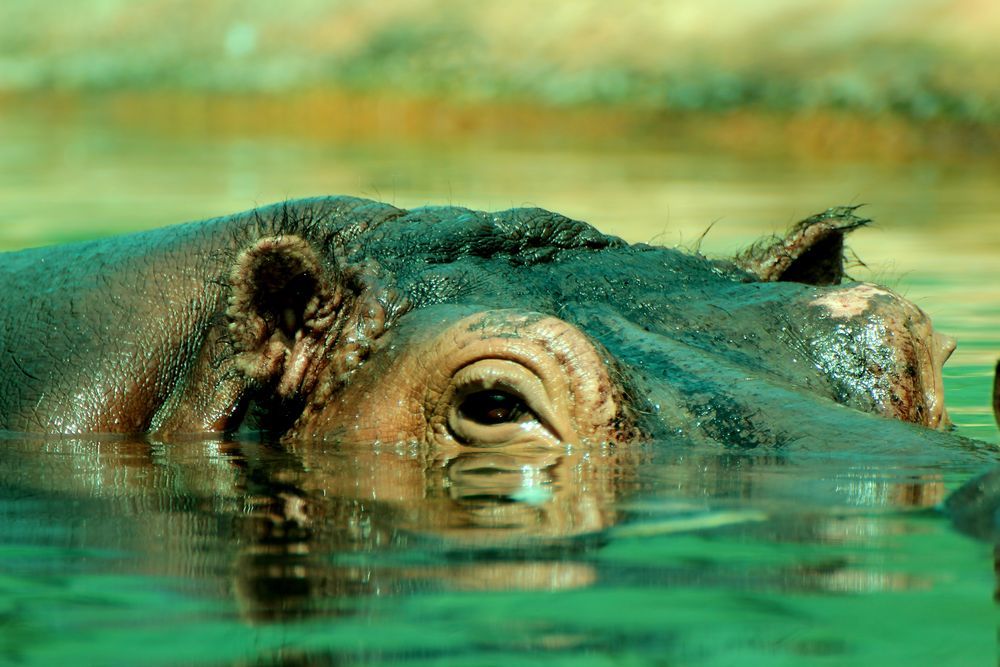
x=246 y=553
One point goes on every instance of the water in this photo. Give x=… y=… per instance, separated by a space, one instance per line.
x=118 y=551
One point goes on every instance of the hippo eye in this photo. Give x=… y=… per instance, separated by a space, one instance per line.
x=493 y=406
x=496 y=402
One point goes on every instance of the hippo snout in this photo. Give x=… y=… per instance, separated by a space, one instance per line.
x=882 y=353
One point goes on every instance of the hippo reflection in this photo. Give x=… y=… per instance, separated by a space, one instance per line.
x=351 y=320
x=305 y=528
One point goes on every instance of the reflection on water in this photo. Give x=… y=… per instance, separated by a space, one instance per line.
x=247 y=534
x=247 y=552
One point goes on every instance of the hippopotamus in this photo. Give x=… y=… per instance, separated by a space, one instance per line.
x=345 y=319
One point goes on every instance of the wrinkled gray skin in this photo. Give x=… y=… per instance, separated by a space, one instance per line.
x=147 y=332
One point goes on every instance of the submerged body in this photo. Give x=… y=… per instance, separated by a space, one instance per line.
x=349 y=319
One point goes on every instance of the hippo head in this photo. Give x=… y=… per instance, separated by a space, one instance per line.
x=362 y=322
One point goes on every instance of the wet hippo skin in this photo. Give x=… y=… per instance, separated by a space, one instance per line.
x=347 y=319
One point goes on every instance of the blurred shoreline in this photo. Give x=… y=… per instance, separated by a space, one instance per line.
x=347 y=116
x=836 y=72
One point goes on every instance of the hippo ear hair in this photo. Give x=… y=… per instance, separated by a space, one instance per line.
x=812 y=252
x=282 y=294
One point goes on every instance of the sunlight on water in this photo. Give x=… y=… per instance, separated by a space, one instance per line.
x=117 y=552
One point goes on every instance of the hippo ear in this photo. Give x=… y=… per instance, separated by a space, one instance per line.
x=284 y=298
x=812 y=252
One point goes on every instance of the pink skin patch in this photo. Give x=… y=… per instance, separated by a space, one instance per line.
x=907 y=385
x=849 y=303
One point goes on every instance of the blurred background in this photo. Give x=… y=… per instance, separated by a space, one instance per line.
x=651 y=119
x=657 y=121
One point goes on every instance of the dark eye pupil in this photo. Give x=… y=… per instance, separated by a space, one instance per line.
x=492 y=407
